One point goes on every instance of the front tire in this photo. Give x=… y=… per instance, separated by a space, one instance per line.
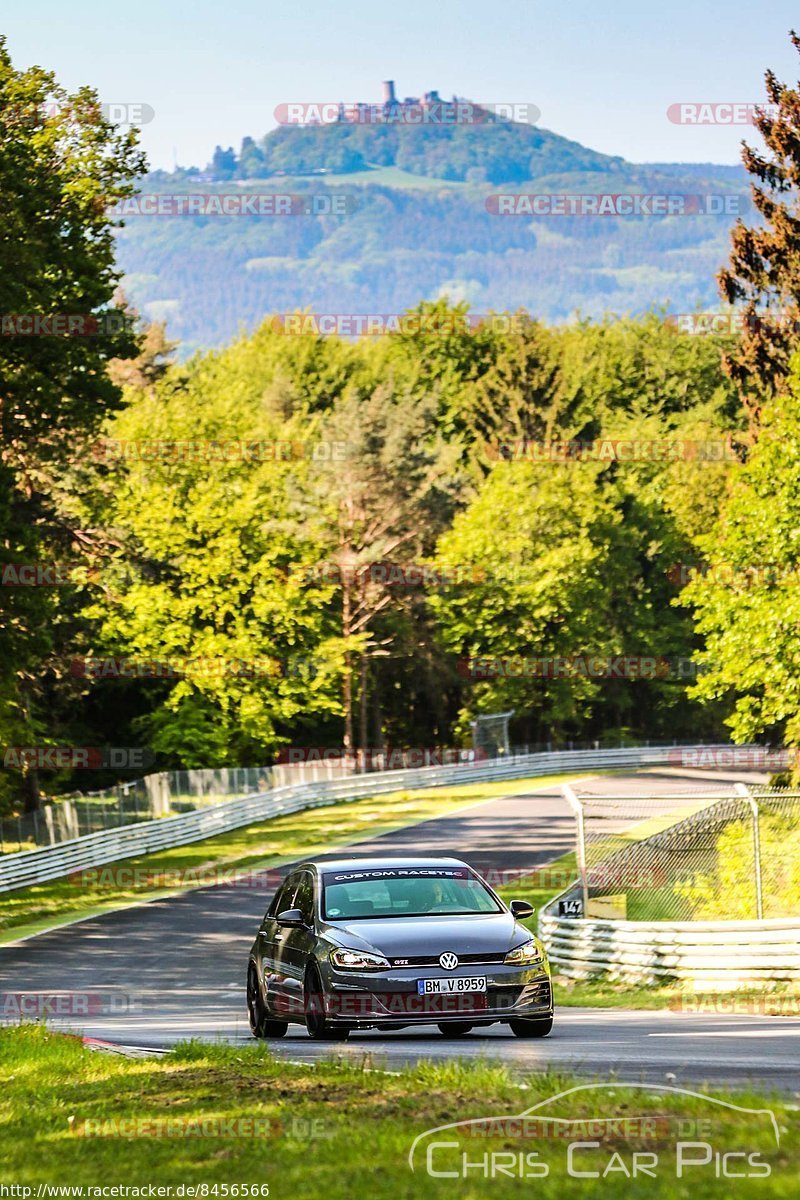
x=454 y=1028
x=531 y=1029
x=261 y=1024
x=317 y=1023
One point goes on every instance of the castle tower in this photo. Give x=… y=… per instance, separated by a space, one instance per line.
x=388 y=92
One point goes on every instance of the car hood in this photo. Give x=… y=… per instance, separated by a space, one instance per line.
x=411 y=937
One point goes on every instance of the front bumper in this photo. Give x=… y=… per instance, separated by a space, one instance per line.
x=390 y=998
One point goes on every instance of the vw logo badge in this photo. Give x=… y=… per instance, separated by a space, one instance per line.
x=448 y=960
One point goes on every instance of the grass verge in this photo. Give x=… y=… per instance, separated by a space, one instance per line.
x=775 y=1000
x=232 y=1116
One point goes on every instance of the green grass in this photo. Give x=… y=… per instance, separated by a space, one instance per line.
x=260 y=846
x=344 y=1129
x=771 y=1000
x=394 y=177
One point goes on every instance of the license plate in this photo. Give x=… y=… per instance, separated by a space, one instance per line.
x=451 y=987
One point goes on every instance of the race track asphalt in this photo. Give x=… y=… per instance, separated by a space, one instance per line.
x=157 y=973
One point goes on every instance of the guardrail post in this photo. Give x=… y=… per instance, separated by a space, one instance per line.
x=744 y=791
x=580 y=841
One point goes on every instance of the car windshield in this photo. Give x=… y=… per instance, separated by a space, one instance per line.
x=404 y=892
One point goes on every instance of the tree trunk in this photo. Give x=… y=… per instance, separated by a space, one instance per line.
x=347 y=682
x=347 y=700
x=33 y=797
x=362 y=703
x=30 y=777
x=377 y=715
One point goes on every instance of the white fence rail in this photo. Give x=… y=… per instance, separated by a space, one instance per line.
x=714 y=954
x=96 y=849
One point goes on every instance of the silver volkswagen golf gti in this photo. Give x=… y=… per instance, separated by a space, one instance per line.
x=391 y=943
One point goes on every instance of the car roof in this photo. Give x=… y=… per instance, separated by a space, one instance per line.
x=373 y=863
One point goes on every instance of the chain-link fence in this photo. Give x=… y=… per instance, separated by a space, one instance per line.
x=704 y=853
x=172 y=792
x=166 y=793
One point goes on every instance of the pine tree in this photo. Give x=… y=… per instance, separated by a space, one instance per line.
x=764 y=269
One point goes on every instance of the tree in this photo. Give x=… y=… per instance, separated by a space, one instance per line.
x=516 y=396
x=747 y=601
x=223 y=163
x=62 y=164
x=211 y=575
x=572 y=557
x=251 y=160
x=764 y=268
x=380 y=502
x=154 y=358
x=441 y=353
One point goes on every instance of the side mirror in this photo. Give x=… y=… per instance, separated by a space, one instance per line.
x=292 y=918
x=521 y=909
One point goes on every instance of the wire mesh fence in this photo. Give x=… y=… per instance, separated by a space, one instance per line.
x=699 y=854
x=166 y=793
x=169 y=793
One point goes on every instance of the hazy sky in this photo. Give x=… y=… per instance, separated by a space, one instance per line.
x=601 y=73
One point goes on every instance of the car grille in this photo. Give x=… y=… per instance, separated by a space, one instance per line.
x=502 y=997
x=464 y=960
x=542 y=993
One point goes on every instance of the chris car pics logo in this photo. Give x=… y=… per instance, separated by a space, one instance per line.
x=677 y=1134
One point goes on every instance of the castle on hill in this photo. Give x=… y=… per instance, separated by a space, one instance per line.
x=413 y=109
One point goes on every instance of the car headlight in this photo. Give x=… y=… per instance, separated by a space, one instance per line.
x=358 y=960
x=528 y=952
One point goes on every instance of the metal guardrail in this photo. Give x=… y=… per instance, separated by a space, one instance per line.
x=160 y=794
x=97 y=849
x=720 y=954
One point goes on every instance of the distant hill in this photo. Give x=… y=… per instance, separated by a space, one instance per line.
x=735 y=173
x=500 y=152
x=419 y=228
